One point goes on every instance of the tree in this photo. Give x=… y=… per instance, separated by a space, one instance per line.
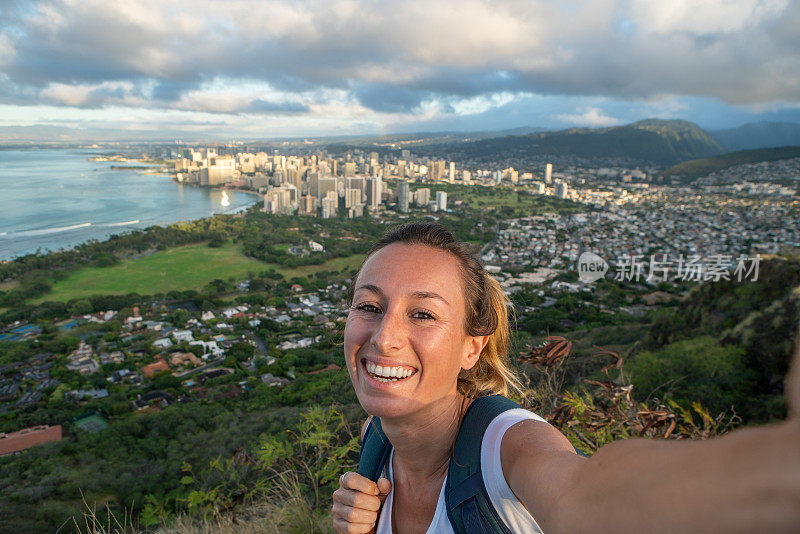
x=80 y=307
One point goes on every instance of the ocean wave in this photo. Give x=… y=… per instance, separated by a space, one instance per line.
x=45 y=231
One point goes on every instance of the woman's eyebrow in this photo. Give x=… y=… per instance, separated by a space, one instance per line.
x=371 y=288
x=429 y=295
x=416 y=294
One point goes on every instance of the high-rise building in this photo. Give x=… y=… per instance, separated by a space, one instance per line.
x=561 y=189
x=441 y=201
x=323 y=186
x=405 y=154
x=548 y=173
x=308 y=205
x=452 y=172
x=402 y=197
x=436 y=170
x=374 y=191
x=356 y=182
x=295 y=177
x=349 y=169
x=279 y=200
x=422 y=196
x=333 y=195
x=352 y=197
x=328 y=207
x=294 y=193
x=538 y=188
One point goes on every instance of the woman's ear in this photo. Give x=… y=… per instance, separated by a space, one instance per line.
x=475 y=345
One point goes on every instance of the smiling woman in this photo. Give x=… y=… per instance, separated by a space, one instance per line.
x=425 y=344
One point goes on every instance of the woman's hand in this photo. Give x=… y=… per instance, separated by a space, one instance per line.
x=357 y=502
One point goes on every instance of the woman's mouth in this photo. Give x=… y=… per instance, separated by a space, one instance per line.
x=387 y=373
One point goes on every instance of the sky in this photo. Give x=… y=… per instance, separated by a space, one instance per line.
x=266 y=69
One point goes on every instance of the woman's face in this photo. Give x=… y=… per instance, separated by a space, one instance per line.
x=405 y=340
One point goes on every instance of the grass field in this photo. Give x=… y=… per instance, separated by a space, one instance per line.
x=178 y=269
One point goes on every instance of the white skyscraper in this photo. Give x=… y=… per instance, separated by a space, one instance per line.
x=441 y=201
x=452 y=171
x=374 y=191
x=548 y=173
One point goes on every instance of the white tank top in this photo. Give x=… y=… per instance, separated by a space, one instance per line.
x=508 y=507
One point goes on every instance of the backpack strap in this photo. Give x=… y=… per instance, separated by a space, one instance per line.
x=469 y=508
x=375 y=451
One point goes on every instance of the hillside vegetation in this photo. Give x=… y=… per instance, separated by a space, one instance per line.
x=653 y=140
x=696 y=168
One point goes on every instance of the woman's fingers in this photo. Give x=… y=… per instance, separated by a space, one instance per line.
x=343 y=527
x=357 y=502
x=353 y=481
x=352 y=514
x=792 y=384
x=384 y=487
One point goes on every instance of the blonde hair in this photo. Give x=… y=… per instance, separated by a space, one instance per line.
x=486 y=313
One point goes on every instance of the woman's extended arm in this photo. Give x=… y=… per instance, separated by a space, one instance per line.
x=745 y=481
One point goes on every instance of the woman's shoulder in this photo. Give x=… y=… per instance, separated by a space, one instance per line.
x=536 y=460
x=524 y=430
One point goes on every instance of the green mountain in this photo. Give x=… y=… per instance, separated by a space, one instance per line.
x=663 y=142
x=690 y=170
x=758 y=135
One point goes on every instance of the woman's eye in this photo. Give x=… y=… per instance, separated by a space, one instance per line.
x=423 y=315
x=370 y=308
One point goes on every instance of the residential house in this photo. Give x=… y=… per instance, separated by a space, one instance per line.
x=158 y=366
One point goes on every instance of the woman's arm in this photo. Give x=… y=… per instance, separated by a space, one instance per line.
x=745 y=481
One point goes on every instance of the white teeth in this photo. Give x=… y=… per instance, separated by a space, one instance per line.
x=386 y=373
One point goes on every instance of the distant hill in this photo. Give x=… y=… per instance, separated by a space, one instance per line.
x=658 y=141
x=758 y=135
x=690 y=170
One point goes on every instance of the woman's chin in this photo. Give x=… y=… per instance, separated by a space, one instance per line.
x=386 y=407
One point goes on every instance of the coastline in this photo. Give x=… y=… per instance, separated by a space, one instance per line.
x=92 y=202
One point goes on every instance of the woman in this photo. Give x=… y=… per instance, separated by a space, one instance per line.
x=427 y=332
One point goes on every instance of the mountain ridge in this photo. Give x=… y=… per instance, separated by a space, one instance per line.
x=663 y=142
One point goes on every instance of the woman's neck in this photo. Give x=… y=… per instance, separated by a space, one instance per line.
x=423 y=441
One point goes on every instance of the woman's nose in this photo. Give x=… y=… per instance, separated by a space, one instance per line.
x=390 y=334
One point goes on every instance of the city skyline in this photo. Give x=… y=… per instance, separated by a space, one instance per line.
x=295 y=69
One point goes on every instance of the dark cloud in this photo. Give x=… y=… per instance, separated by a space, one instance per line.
x=389 y=98
x=394 y=56
x=171 y=90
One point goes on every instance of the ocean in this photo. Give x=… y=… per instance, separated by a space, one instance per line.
x=56 y=199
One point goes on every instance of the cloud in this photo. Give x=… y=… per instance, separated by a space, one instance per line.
x=379 y=61
x=592 y=117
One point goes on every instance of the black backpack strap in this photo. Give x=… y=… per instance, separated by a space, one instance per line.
x=375 y=451
x=468 y=505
